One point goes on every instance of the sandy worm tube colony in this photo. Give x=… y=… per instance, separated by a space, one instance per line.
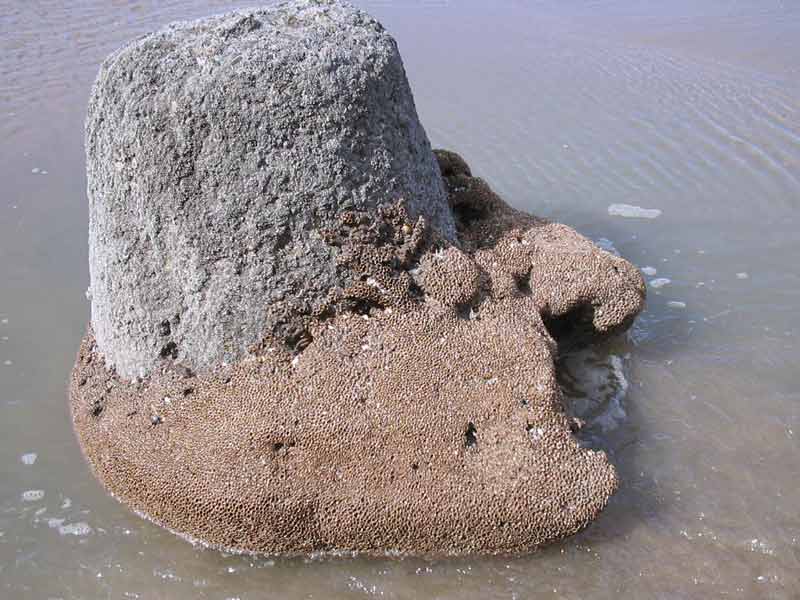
x=310 y=332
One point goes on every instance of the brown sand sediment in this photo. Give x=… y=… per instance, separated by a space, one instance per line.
x=418 y=412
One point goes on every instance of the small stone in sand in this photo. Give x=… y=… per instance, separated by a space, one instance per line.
x=8 y=363
x=742 y=275
x=633 y=212
x=659 y=282
x=35 y=170
x=29 y=458
x=649 y=271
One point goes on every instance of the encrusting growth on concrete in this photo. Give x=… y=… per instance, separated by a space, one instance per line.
x=415 y=411
x=310 y=332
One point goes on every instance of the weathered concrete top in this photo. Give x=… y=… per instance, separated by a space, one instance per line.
x=218 y=152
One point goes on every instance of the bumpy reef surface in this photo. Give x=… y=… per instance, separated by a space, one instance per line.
x=416 y=412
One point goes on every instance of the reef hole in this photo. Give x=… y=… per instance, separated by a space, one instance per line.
x=471 y=436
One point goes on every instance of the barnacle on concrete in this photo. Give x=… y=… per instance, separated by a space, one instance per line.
x=417 y=411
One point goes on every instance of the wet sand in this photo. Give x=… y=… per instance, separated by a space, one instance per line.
x=692 y=109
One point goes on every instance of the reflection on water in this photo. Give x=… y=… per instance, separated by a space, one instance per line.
x=599 y=114
x=594 y=386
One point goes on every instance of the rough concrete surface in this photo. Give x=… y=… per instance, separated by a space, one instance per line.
x=217 y=152
x=420 y=414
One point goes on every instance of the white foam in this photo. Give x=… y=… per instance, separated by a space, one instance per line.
x=607 y=245
x=32 y=495
x=761 y=547
x=742 y=275
x=615 y=412
x=29 y=458
x=167 y=575
x=660 y=282
x=596 y=387
x=649 y=271
x=676 y=304
x=633 y=212
x=79 y=529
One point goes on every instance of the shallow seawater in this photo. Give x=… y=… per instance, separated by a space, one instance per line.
x=567 y=108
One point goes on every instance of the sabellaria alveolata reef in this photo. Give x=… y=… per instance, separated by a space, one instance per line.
x=310 y=331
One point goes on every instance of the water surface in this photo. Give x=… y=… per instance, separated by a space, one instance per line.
x=566 y=108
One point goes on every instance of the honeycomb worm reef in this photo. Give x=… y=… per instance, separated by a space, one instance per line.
x=310 y=332
x=416 y=412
